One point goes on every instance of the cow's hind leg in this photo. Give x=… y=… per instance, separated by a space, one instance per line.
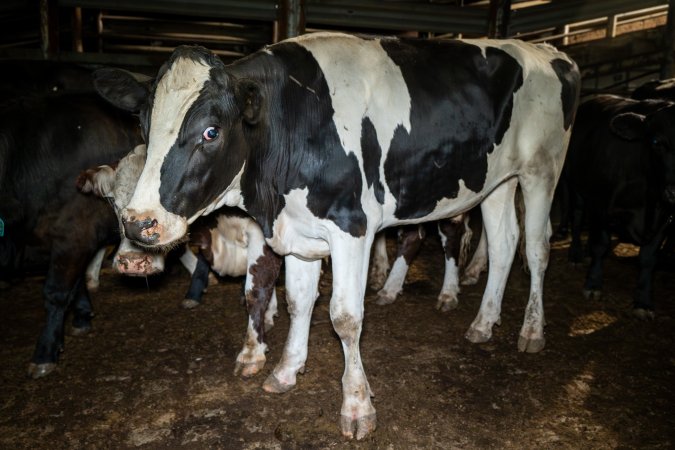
x=479 y=261
x=538 y=196
x=302 y=283
x=410 y=239
x=350 y=269
x=380 y=265
x=501 y=227
x=455 y=237
x=198 y=282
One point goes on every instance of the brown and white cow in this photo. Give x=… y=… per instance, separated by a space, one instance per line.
x=229 y=242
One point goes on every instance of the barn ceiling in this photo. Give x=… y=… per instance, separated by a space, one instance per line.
x=618 y=43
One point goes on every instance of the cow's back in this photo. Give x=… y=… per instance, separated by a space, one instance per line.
x=411 y=123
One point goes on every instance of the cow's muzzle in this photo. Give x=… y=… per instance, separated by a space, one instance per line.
x=138 y=264
x=143 y=231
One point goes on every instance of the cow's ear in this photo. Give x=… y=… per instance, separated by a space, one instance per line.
x=628 y=126
x=126 y=90
x=98 y=181
x=249 y=99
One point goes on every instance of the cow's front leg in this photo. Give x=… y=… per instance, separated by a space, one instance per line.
x=302 y=290
x=643 y=304
x=350 y=268
x=198 y=282
x=64 y=282
x=499 y=221
x=599 y=242
x=261 y=276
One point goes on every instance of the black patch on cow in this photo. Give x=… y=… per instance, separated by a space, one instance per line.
x=302 y=149
x=372 y=154
x=192 y=175
x=570 y=80
x=459 y=111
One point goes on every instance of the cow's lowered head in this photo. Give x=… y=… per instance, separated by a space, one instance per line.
x=116 y=183
x=194 y=117
x=657 y=131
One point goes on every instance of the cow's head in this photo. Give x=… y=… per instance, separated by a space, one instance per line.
x=194 y=118
x=116 y=183
x=657 y=131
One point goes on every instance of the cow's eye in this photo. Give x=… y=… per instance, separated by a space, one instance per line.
x=210 y=133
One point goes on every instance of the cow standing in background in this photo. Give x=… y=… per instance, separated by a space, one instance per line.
x=45 y=142
x=229 y=242
x=327 y=139
x=621 y=172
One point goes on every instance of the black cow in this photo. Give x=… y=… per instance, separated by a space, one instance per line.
x=45 y=142
x=663 y=89
x=621 y=172
x=327 y=139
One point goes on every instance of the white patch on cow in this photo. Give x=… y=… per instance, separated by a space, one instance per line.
x=94 y=269
x=299 y=232
x=229 y=244
x=189 y=260
x=127 y=173
x=394 y=284
x=176 y=91
x=363 y=81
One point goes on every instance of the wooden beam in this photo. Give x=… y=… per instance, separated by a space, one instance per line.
x=499 y=16
x=667 y=67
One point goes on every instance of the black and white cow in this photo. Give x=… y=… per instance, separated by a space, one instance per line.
x=621 y=171
x=45 y=142
x=328 y=138
x=229 y=242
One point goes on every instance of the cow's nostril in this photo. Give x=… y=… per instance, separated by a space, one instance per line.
x=143 y=231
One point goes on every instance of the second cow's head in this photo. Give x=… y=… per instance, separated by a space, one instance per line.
x=195 y=117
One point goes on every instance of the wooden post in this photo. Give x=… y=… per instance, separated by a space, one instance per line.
x=499 y=15
x=668 y=44
x=291 y=20
x=77 y=30
x=611 y=26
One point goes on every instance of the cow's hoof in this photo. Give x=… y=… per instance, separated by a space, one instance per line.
x=92 y=285
x=469 y=280
x=274 y=386
x=36 y=371
x=80 y=331
x=530 y=345
x=189 y=303
x=358 y=427
x=249 y=369
x=213 y=280
x=447 y=302
x=477 y=336
x=644 y=314
x=592 y=294
x=385 y=299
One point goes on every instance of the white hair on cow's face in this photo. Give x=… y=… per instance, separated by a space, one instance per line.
x=175 y=93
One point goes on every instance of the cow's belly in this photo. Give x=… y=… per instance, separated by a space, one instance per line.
x=229 y=257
